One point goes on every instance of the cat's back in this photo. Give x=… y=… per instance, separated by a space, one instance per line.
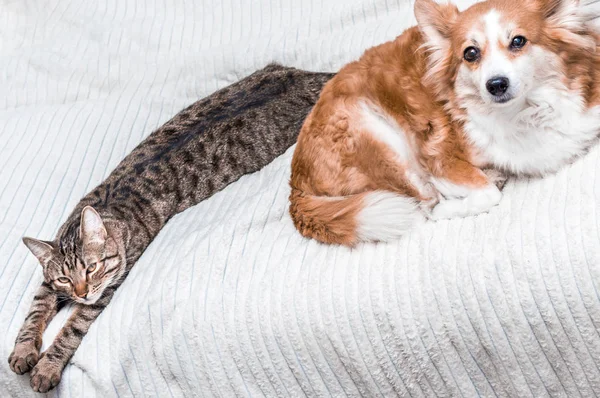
x=236 y=130
x=261 y=113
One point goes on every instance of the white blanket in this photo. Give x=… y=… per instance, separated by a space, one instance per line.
x=229 y=300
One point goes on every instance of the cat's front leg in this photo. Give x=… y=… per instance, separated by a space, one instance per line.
x=48 y=371
x=29 y=340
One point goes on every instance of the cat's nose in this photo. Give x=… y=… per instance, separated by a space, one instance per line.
x=81 y=290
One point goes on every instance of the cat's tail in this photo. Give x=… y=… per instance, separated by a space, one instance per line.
x=347 y=220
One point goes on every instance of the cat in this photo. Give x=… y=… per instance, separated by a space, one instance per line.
x=205 y=147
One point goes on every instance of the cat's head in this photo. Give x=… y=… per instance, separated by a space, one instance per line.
x=83 y=260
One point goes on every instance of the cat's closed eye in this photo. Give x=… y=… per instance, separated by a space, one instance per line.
x=63 y=280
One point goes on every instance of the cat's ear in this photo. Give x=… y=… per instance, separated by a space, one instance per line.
x=41 y=249
x=92 y=228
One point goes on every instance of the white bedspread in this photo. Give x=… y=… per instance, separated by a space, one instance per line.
x=229 y=300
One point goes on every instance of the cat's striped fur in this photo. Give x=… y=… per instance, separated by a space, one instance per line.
x=208 y=145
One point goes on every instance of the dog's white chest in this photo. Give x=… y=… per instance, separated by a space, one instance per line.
x=539 y=139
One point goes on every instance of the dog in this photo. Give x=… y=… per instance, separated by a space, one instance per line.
x=405 y=133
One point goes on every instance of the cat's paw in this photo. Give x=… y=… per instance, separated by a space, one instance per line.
x=23 y=358
x=45 y=375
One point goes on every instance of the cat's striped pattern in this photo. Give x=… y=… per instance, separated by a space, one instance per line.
x=211 y=143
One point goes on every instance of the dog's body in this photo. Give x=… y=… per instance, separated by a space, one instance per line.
x=406 y=130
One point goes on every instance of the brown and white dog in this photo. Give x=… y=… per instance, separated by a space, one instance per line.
x=404 y=132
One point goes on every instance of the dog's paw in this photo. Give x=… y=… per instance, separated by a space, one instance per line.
x=427 y=206
x=478 y=201
x=496 y=177
x=23 y=358
x=447 y=209
x=45 y=375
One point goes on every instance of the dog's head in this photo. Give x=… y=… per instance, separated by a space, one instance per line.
x=496 y=52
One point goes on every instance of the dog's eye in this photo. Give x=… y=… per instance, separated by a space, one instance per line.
x=471 y=54
x=518 y=42
x=63 y=280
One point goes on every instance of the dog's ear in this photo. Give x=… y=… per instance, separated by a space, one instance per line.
x=566 y=22
x=562 y=13
x=435 y=21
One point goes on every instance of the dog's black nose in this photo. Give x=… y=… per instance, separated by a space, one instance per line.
x=497 y=85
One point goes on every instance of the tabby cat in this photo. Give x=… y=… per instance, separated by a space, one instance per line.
x=208 y=145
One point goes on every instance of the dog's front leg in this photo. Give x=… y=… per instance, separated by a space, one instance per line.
x=466 y=191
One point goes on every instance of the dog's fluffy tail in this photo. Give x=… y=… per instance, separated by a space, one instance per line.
x=347 y=220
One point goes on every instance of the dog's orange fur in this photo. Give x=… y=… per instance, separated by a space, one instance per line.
x=335 y=157
x=332 y=158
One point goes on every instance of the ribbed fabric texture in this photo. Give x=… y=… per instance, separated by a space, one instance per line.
x=229 y=300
